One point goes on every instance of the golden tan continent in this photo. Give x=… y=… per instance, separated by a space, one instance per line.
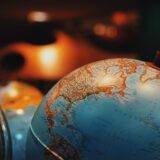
x=97 y=77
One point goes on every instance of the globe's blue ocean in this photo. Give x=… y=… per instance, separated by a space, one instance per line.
x=105 y=125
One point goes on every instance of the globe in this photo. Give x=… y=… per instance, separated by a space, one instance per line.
x=18 y=102
x=106 y=110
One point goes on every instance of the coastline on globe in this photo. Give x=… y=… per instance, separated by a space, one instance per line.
x=19 y=102
x=104 y=110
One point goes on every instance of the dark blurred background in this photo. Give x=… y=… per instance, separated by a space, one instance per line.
x=41 y=41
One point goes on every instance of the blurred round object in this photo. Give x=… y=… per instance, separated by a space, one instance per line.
x=16 y=95
x=120 y=18
x=19 y=101
x=38 y=16
x=106 y=110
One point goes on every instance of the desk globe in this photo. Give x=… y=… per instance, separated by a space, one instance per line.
x=18 y=101
x=107 y=110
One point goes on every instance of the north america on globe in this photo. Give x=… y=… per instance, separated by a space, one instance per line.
x=106 y=110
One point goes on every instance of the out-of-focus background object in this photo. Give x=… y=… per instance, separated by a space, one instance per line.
x=42 y=41
x=16 y=95
x=18 y=102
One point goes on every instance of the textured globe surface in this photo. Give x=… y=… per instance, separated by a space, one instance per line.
x=106 y=110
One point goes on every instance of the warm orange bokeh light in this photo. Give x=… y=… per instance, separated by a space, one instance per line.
x=107 y=31
x=53 y=61
x=99 y=29
x=38 y=16
x=48 y=57
x=120 y=18
x=111 y=32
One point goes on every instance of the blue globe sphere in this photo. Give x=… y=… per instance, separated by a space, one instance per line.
x=106 y=110
x=18 y=102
